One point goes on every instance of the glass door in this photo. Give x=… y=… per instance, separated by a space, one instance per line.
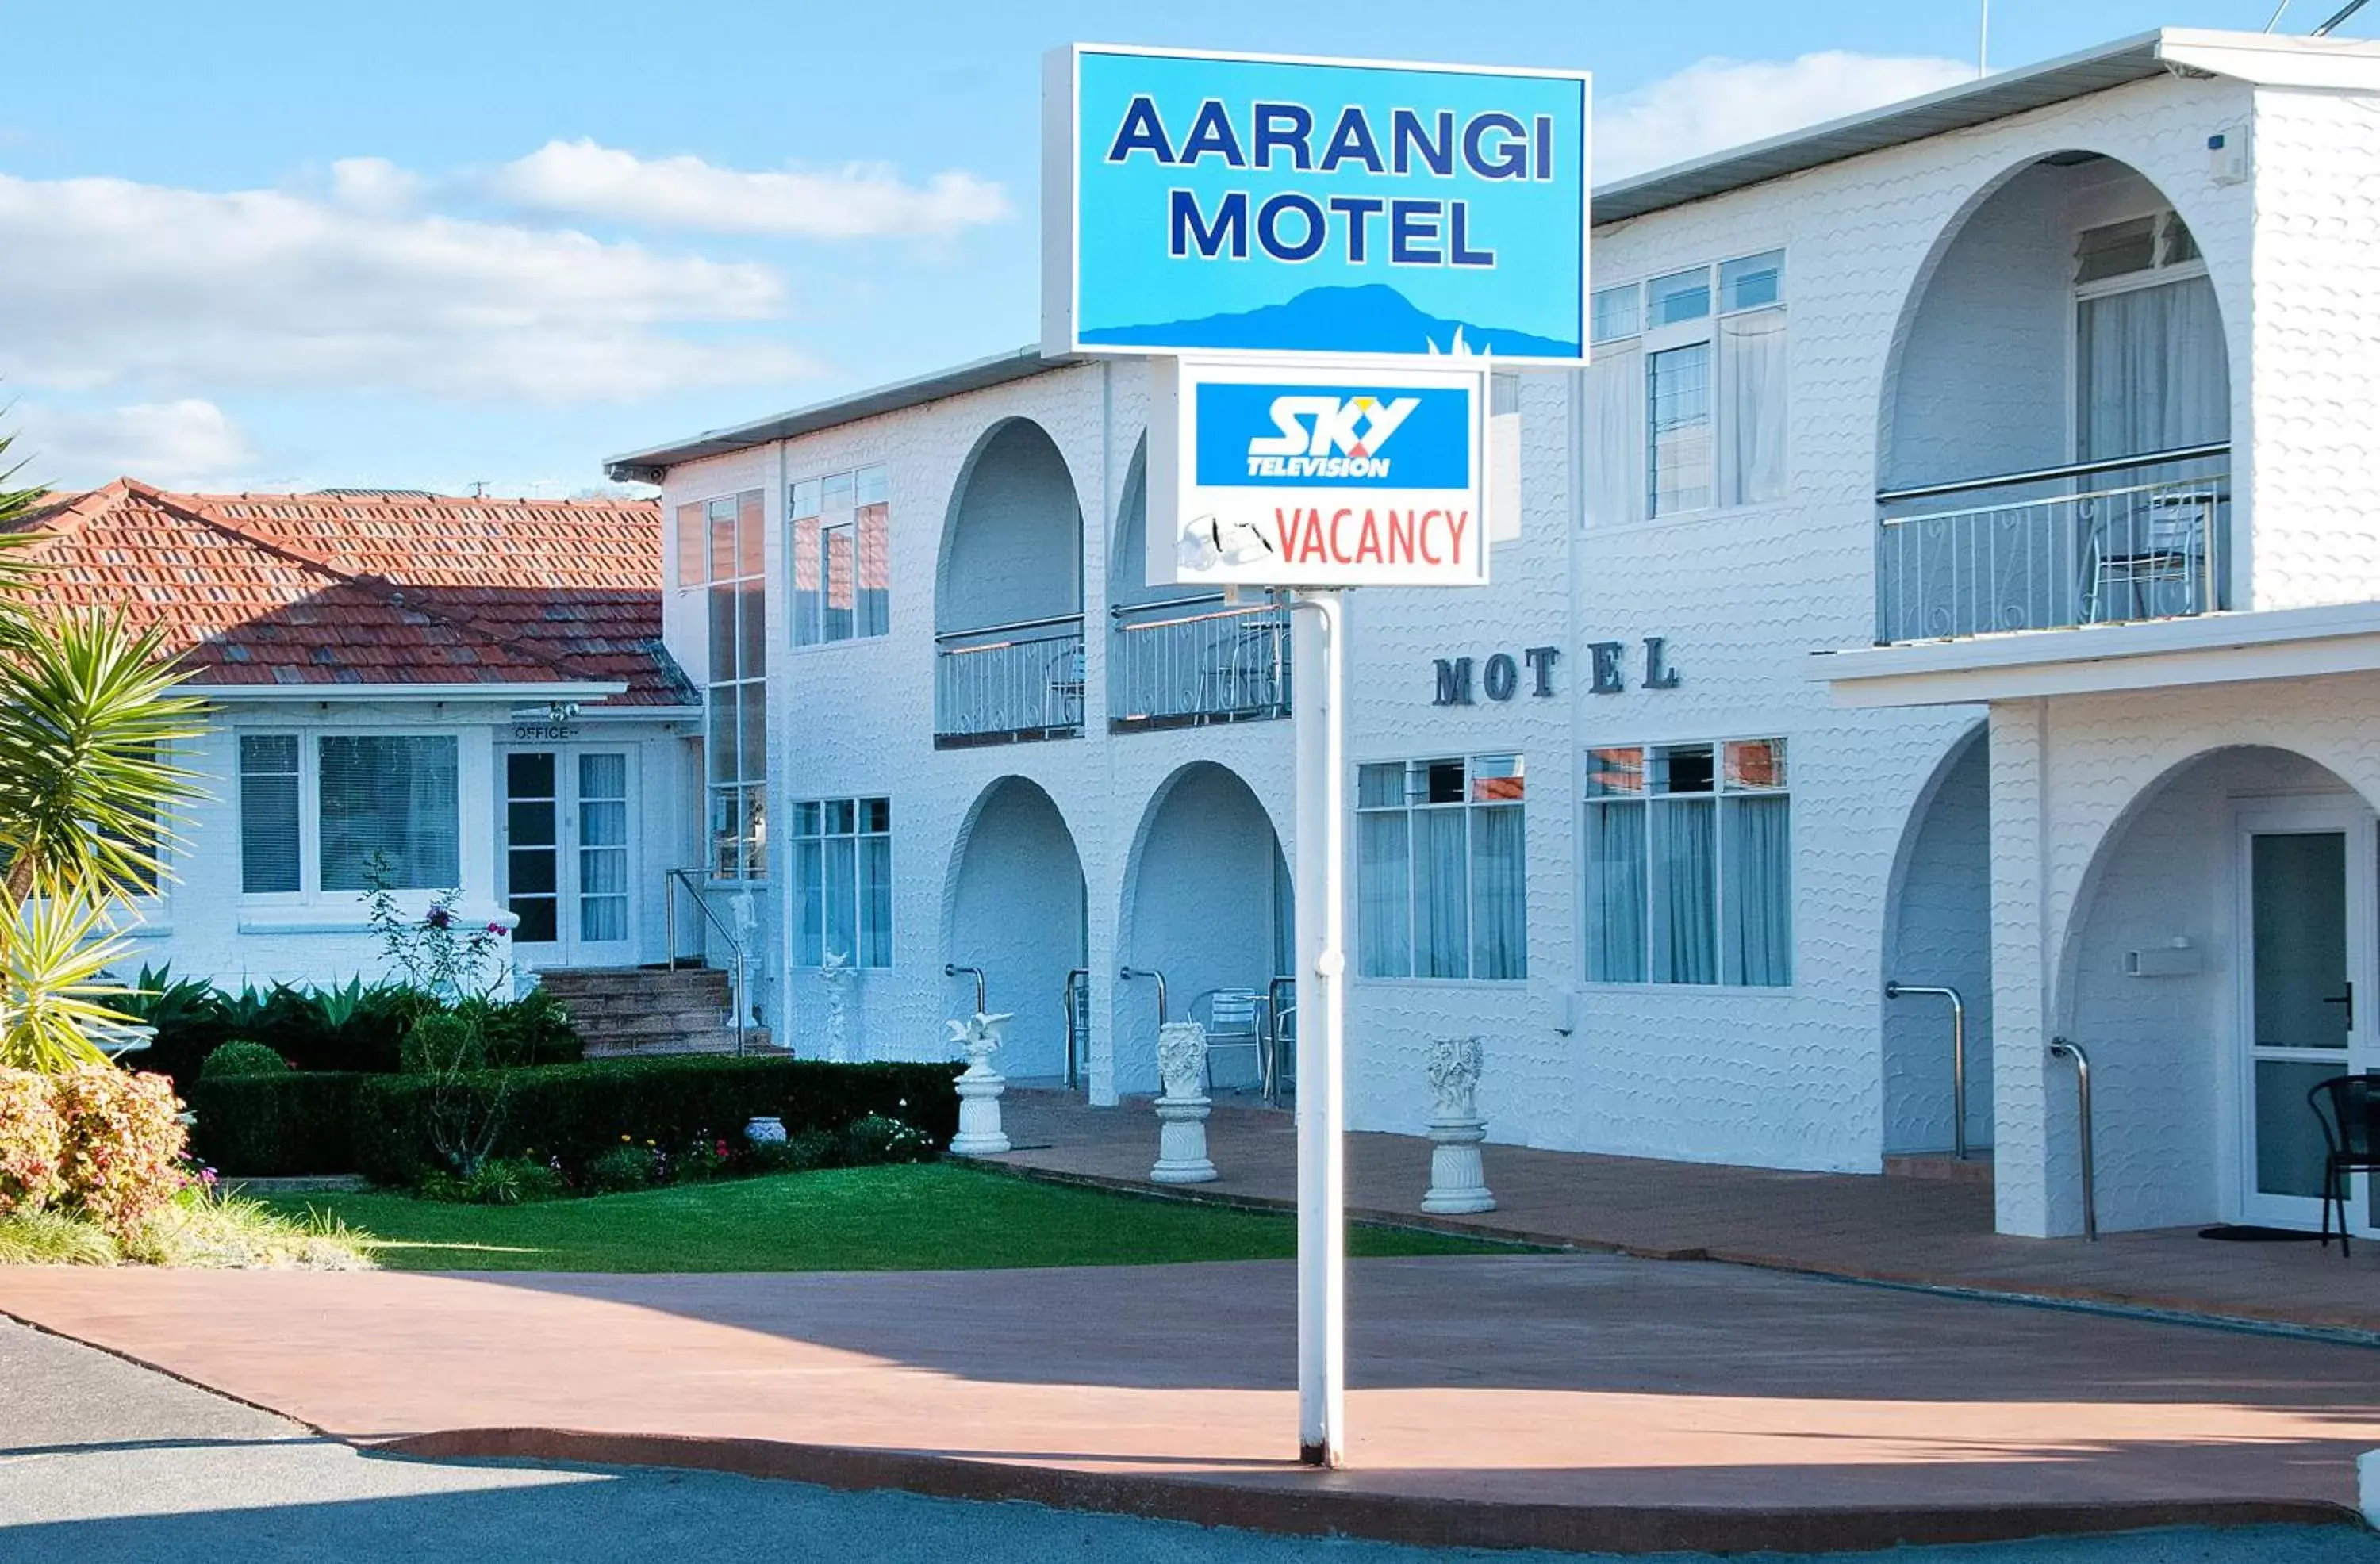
x=2307 y=876
x=569 y=855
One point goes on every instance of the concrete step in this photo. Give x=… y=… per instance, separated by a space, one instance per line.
x=719 y=1040
x=611 y=983
x=632 y=1028
x=1941 y=1167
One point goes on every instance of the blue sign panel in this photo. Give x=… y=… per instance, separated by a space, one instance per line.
x=1331 y=437
x=1229 y=203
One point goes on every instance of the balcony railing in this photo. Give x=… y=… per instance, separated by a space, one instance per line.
x=1192 y=661
x=2104 y=542
x=1009 y=684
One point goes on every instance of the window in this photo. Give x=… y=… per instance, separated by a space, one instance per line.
x=1689 y=854
x=1441 y=881
x=838 y=542
x=2151 y=369
x=843 y=876
x=1687 y=391
x=736 y=694
x=395 y=797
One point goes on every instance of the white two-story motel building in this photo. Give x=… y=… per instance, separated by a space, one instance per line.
x=1960 y=566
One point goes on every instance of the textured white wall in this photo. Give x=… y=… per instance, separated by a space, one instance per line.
x=1014 y=544
x=1939 y=933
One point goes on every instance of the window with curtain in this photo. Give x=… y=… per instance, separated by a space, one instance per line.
x=268 y=815
x=843 y=881
x=2152 y=370
x=838 y=534
x=393 y=799
x=1688 y=852
x=1441 y=880
x=1688 y=392
x=735 y=726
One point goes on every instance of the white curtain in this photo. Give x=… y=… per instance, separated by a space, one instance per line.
x=1686 y=929
x=1752 y=367
x=809 y=884
x=1441 y=894
x=1499 y=893
x=1615 y=893
x=2155 y=375
x=840 y=881
x=1759 y=910
x=395 y=797
x=1383 y=896
x=1616 y=435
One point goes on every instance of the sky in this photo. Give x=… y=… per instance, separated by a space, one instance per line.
x=445 y=245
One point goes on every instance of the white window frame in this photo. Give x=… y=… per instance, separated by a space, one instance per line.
x=309 y=892
x=802 y=958
x=799 y=510
x=1417 y=770
x=750 y=776
x=1649 y=800
x=1648 y=340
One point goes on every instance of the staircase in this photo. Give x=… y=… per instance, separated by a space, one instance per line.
x=644 y=1012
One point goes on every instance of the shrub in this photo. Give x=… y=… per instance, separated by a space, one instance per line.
x=33 y=1144
x=239 y=1058
x=125 y=1142
x=443 y=1042
x=579 y=1111
x=533 y=1029
x=500 y=1181
x=276 y=1126
x=880 y=1138
x=625 y=1166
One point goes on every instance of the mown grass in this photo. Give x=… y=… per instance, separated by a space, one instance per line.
x=929 y=1217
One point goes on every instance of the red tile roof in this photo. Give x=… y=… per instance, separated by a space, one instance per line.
x=375 y=588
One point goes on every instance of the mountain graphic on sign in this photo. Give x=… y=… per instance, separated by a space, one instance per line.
x=1374 y=318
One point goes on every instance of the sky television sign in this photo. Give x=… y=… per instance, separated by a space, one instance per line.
x=1251 y=204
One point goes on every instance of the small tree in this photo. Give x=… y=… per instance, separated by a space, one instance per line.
x=459 y=964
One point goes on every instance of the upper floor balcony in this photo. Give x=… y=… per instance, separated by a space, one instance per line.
x=1008 y=596
x=1188 y=661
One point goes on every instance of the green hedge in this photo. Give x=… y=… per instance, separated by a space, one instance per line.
x=577 y=1110
x=274 y=1126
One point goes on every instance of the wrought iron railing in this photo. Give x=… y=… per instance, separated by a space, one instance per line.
x=1191 y=660
x=1008 y=683
x=2107 y=542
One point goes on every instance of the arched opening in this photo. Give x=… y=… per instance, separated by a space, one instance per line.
x=1008 y=595
x=2214 y=966
x=1205 y=902
x=1938 y=933
x=2054 y=435
x=1015 y=907
x=1181 y=657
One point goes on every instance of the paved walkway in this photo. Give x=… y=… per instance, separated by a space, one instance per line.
x=102 y=1463
x=1898 y=1230
x=1580 y=1401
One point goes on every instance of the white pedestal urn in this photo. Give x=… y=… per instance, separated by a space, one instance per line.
x=1458 y=1179
x=979 y=1087
x=1182 y=1111
x=834 y=976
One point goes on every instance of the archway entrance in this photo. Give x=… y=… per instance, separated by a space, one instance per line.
x=1938 y=933
x=1016 y=911
x=1207 y=902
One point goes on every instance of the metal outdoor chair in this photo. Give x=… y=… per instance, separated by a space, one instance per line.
x=1234 y=1019
x=2154 y=557
x=2348 y=1107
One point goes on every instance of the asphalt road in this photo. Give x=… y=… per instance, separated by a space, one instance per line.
x=102 y=1461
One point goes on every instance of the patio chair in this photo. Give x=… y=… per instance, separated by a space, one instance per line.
x=2155 y=557
x=1234 y=1019
x=2348 y=1107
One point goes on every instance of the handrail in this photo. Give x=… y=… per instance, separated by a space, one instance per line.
x=1130 y=972
x=1081 y=975
x=1958 y=1054
x=1050 y=624
x=950 y=970
x=1273 y=1015
x=1243 y=611
x=2060 y=1048
x=698 y=881
x=2045 y=475
x=2209 y=485
x=1194 y=600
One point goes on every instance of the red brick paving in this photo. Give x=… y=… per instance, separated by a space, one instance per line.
x=1915 y=1230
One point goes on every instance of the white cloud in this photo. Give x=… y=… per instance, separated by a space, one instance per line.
x=861 y=200
x=374 y=185
x=184 y=445
x=1718 y=103
x=106 y=282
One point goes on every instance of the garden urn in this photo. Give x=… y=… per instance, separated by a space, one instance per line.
x=979 y=1087
x=1458 y=1179
x=1182 y=1111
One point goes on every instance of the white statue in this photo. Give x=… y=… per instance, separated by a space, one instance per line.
x=1458 y=1177
x=1182 y=1111
x=835 y=972
x=980 y=1086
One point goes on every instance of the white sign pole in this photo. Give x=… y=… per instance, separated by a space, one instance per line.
x=1318 y=671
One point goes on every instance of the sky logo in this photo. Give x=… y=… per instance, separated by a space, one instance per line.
x=1335 y=436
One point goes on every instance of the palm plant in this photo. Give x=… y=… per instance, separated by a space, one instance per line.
x=89 y=795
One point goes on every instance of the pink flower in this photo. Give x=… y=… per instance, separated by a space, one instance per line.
x=495 y=928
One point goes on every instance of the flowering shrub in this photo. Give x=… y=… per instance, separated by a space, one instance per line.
x=125 y=1142
x=33 y=1144
x=625 y=1167
x=878 y=1138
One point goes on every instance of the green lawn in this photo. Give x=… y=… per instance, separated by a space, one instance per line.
x=933 y=1217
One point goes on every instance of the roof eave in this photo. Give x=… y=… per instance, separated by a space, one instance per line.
x=590 y=690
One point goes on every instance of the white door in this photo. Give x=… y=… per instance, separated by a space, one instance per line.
x=2308 y=994
x=569 y=850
